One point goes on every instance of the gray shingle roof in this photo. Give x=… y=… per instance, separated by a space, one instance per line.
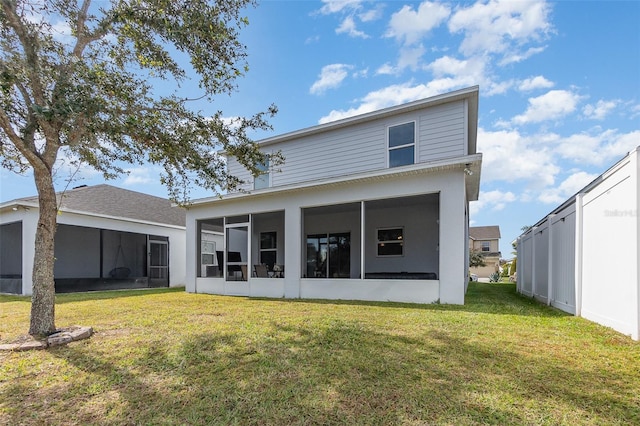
x=484 y=232
x=117 y=202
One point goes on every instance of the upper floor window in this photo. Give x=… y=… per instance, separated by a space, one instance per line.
x=486 y=246
x=262 y=180
x=402 y=144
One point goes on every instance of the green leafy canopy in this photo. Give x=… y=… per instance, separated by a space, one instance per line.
x=80 y=77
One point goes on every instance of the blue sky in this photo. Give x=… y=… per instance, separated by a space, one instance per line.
x=559 y=87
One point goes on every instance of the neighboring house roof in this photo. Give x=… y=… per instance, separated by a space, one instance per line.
x=107 y=200
x=484 y=232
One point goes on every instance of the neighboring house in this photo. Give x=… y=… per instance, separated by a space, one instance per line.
x=486 y=241
x=107 y=238
x=584 y=256
x=372 y=207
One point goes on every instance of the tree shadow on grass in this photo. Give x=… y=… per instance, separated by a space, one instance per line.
x=333 y=371
x=344 y=373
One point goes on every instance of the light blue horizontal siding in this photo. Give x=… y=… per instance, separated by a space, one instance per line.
x=363 y=147
x=441 y=132
x=335 y=153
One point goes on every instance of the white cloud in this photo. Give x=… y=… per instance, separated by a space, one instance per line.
x=387 y=69
x=553 y=105
x=313 y=39
x=348 y=26
x=335 y=6
x=499 y=26
x=451 y=73
x=508 y=156
x=363 y=73
x=515 y=56
x=533 y=83
x=350 y=10
x=496 y=200
x=567 y=188
x=410 y=57
x=599 y=148
x=389 y=96
x=450 y=66
x=330 y=77
x=409 y=26
x=372 y=14
x=600 y=110
x=619 y=145
x=467 y=72
x=139 y=175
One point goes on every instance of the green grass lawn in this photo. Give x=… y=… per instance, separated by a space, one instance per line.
x=168 y=357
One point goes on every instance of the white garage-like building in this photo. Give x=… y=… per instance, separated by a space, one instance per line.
x=106 y=238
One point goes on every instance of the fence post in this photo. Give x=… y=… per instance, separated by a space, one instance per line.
x=578 y=262
x=550 y=265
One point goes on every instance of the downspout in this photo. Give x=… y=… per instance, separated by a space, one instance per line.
x=578 y=262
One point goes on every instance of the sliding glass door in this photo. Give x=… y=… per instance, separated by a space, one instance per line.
x=329 y=255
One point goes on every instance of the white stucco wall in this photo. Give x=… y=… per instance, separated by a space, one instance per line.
x=452 y=270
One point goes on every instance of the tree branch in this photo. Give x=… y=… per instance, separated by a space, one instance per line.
x=26 y=148
x=29 y=44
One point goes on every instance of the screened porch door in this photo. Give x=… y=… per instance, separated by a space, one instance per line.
x=158 y=263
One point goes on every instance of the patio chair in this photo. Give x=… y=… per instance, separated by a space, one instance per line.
x=260 y=271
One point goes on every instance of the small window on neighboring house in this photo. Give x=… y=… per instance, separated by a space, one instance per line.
x=262 y=180
x=402 y=144
x=391 y=242
x=486 y=246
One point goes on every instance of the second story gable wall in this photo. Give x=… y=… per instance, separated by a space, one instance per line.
x=478 y=244
x=440 y=133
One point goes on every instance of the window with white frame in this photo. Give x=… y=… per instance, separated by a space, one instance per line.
x=402 y=144
x=268 y=249
x=390 y=241
x=486 y=246
x=262 y=180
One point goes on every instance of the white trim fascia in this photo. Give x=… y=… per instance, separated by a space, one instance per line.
x=98 y=215
x=122 y=219
x=473 y=161
x=18 y=203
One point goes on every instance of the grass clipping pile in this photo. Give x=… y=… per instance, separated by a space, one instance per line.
x=60 y=337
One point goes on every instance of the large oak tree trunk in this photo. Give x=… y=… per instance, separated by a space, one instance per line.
x=43 y=297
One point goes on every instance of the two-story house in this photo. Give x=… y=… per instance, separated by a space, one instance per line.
x=371 y=207
x=486 y=241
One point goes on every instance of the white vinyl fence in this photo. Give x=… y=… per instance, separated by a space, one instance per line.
x=583 y=258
